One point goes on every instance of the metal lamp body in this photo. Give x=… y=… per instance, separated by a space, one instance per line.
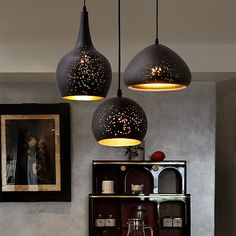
x=157 y=68
x=119 y=122
x=84 y=73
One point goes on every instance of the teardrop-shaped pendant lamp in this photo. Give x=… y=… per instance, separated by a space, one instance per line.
x=119 y=121
x=157 y=68
x=84 y=73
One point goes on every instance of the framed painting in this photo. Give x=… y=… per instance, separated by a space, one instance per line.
x=35 y=152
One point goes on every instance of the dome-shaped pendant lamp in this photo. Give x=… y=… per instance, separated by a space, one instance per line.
x=157 y=68
x=84 y=73
x=119 y=121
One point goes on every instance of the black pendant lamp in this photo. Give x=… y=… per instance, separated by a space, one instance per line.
x=119 y=121
x=84 y=73
x=157 y=68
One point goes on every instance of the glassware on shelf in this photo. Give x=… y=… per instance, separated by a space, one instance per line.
x=140 y=212
x=136 y=227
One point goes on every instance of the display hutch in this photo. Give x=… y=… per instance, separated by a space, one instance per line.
x=155 y=191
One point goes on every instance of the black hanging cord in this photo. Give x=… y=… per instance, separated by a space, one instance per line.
x=84 y=7
x=119 y=92
x=157 y=22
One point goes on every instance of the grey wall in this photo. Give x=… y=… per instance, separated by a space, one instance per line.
x=226 y=159
x=182 y=124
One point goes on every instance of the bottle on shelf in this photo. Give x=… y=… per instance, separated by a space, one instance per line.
x=100 y=222
x=107 y=232
x=110 y=222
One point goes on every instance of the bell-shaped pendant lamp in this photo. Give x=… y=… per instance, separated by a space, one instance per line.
x=157 y=68
x=84 y=73
x=119 y=121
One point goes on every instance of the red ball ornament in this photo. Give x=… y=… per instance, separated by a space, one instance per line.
x=158 y=156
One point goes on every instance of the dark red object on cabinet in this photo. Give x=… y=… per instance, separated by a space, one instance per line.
x=158 y=156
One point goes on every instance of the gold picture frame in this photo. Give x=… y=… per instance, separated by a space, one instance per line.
x=34 y=164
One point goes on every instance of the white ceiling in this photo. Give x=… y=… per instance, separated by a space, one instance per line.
x=35 y=34
x=181 y=21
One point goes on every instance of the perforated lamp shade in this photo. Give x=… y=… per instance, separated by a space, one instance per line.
x=157 y=68
x=119 y=122
x=84 y=73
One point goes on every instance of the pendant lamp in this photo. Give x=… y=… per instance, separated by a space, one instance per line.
x=157 y=68
x=119 y=121
x=84 y=73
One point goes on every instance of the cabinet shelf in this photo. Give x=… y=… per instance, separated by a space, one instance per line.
x=108 y=227
x=156 y=197
x=164 y=195
x=167 y=177
x=142 y=163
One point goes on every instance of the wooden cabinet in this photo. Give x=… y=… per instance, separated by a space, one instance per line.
x=161 y=192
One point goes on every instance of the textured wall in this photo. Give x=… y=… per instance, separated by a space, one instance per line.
x=225 y=159
x=182 y=124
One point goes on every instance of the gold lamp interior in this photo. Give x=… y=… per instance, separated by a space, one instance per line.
x=119 y=142
x=153 y=87
x=83 y=98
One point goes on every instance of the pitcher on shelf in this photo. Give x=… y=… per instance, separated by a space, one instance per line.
x=136 y=227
